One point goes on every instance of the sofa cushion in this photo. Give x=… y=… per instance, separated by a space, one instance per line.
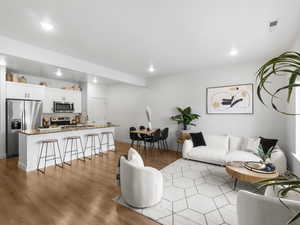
x=217 y=141
x=198 y=139
x=267 y=143
x=241 y=156
x=135 y=158
x=236 y=143
x=253 y=144
x=207 y=154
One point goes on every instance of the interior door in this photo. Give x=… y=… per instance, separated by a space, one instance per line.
x=97 y=109
x=14 y=124
x=33 y=114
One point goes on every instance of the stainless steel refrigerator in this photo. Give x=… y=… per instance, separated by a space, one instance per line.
x=20 y=115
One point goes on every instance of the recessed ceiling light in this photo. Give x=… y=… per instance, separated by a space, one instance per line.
x=95 y=80
x=58 y=73
x=2 y=61
x=233 y=52
x=151 y=69
x=47 y=26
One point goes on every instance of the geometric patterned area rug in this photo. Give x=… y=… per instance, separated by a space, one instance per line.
x=195 y=193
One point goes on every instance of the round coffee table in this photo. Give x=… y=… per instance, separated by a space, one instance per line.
x=243 y=174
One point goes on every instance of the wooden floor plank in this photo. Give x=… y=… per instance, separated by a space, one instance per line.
x=76 y=195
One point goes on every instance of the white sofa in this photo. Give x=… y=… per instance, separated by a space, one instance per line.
x=265 y=210
x=141 y=186
x=220 y=149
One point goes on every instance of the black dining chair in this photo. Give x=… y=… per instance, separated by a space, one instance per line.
x=134 y=137
x=144 y=137
x=154 y=138
x=164 y=137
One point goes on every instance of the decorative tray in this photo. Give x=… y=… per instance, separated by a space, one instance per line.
x=259 y=167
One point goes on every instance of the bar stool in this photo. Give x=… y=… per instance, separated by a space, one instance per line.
x=50 y=157
x=92 y=138
x=107 y=134
x=73 y=140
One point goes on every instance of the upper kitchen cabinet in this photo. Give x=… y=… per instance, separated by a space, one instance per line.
x=24 y=91
x=60 y=95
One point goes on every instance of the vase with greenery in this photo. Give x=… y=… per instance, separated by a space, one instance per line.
x=264 y=156
x=285 y=65
x=185 y=117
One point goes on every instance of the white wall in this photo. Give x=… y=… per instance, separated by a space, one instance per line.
x=291 y=134
x=127 y=104
x=94 y=99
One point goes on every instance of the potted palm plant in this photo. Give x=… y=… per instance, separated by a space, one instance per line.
x=186 y=117
x=288 y=65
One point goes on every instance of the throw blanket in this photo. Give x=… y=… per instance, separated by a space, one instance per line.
x=118 y=178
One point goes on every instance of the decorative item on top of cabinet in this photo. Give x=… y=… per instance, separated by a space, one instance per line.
x=22 y=79
x=9 y=76
x=43 y=83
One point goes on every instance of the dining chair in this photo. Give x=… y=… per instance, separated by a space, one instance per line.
x=155 y=138
x=164 y=137
x=134 y=137
x=144 y=137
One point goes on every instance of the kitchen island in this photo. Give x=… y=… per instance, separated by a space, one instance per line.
x=30 y=142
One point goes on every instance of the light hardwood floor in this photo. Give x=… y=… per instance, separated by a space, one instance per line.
x=77 y=195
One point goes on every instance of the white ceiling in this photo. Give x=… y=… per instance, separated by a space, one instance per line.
x=177 y=36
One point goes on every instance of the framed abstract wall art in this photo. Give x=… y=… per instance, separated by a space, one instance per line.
x=234 y=99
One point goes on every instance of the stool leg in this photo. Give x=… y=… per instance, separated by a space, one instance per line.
x=107 y=140
x=71 y=151
x=65 y=153
x=115 y=147
x=53 y=148
x=100 y=146
x=54 y=153
x=61 y=161
x=82 y=149
x=101 y=141
x=76 y=141
x=38 y=166
x=94 y=145
x=46 y=158
x=76 y=149
x=85 y=147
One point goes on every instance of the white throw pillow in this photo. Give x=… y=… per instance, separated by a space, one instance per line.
x=253 y=144
x=134 y=157
x=217 y=141
x=236 y=143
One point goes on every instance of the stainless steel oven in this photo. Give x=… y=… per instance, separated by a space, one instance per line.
x=63 y=107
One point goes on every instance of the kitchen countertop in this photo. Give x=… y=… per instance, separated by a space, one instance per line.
x=65 y=129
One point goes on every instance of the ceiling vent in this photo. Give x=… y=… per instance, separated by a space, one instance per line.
x=272 y=25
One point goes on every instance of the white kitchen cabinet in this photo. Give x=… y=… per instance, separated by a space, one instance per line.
x=74 y=97
x=24 y=91
x=60 y=95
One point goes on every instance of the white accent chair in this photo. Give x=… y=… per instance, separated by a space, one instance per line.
x=220 y=149
x=255 y=209
x=141 y=186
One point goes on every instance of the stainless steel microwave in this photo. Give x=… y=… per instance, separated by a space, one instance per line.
x=63 y=107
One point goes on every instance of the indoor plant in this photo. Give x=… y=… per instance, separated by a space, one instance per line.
x=185 y=117
x=286 y=64
x=288 y=183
